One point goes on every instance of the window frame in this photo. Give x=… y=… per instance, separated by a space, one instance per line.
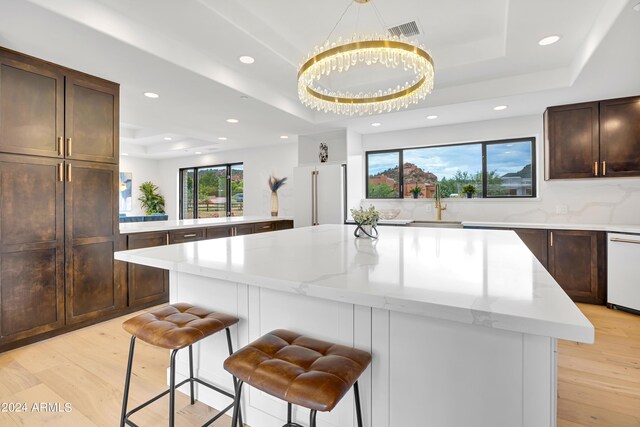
x=483 y=144
x=228 y=167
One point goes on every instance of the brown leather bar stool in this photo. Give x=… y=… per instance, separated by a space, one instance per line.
x=299 y=370
x=175 y=327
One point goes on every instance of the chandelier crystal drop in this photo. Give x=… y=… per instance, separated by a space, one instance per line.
x=339 y=57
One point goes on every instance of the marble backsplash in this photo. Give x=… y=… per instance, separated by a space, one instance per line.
x=594 y=201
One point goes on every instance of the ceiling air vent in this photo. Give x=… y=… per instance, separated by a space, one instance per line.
x=408 y=29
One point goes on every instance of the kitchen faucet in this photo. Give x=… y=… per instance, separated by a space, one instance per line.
x=439 y=206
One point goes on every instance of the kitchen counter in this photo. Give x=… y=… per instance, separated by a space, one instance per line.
x=634 y=229
x=454 y=318
x=142 y=227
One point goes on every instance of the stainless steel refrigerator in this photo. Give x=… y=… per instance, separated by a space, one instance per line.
x=320 y=195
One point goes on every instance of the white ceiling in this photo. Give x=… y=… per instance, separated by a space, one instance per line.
x=486 y=53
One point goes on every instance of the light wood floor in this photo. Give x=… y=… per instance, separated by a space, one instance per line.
x=598 y=385
x=87 y=368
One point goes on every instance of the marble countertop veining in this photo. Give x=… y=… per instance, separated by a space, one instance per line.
x=479 y=277
x=142 y=227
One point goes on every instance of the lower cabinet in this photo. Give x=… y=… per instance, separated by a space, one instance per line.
x=187 y=235
x=147 y=285
x=575 y=258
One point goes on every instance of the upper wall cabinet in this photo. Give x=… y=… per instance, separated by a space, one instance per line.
x=47 y=110
x=593 y=139
x=31 y=106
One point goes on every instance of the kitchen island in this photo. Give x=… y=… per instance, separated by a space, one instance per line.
x=462 y=324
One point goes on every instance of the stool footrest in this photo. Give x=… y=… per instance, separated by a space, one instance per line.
x=180 y=384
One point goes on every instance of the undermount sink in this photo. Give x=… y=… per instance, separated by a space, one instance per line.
x=437 y=224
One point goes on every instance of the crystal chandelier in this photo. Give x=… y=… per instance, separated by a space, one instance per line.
x=363 y=51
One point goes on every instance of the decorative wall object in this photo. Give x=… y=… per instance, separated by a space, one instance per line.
x=323 y=154
x=126 y=185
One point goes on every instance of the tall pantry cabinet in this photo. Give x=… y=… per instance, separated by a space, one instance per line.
x=58 y=198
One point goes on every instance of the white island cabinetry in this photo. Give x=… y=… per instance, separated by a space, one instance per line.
x=462 y=324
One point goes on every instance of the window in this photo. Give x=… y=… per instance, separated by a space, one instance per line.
x=211 y=191
x=495 y=169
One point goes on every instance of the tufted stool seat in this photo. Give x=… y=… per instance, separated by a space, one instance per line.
x=178 y=325
x=175 y=327
x=299 y=370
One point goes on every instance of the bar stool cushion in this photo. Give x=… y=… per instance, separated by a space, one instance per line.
x=177 y=325
x=297 y=369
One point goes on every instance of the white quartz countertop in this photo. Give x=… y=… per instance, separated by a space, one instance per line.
x=480 y=277
x=593 y=227
x=142 y=227
x=387 y=221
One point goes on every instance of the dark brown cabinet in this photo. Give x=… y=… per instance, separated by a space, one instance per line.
x=284 y=224
x=59 y=200
x=537 y=242
x=91 y=218
x=91 y=120
x=620 y=137
x=187 y=235
x=577 y=262
x=147 y=285
x=263 y=227
x=31 y=246
x=593 y=139
x=575 y=258
x=31 y=106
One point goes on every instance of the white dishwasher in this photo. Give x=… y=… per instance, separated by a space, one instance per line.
x=624 y=271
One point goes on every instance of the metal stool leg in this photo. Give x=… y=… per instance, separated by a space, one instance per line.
x=127 y=381
x=235 y=380
x=172 y=388
x=312 y=422
x=289 y=406
x=191 y=373
x=356 y=392
x=236 y=406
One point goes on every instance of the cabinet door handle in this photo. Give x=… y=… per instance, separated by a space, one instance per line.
x=68 y=172
x=186 y=236
x=234 y=231
x=167 y=238
x=59 y=146
x=60 y=172
x=69 y=145
x=604 y=167
x=265 y=227
x=617 y=239
x=595 y=168
x=551 y=242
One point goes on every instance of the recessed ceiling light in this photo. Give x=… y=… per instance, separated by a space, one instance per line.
x=198 y=152
x=151 y=95
x=245 y=59
x=167 y=138
x=432 y=117
x=376 y=124
x=232 y=120
x=284 y=137
x=222 y=138
x=500 y=107
x=125 y=154
x=548 y=40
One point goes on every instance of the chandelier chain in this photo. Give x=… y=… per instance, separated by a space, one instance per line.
x=339 y=21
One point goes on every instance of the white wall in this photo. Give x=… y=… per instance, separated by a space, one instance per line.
x=309 y=146
x=142 y=170
x=588 y=201
x=259 y=164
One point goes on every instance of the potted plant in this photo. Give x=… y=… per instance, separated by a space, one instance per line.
x=470 y=190
x=151 y=200
x=274 y=185
x=416 y=191
x=366 y=221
